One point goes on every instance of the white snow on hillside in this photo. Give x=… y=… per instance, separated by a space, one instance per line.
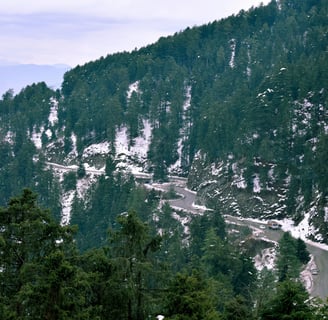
x=48 y=133
x=256 y=184
x=36 y=137
x=233 y=53
x=133 y=87
x=238 y=178
x=184 y=131
x=326 y=214
x=67 y=201
x=84 y=184
x=141 y=143
x=53 y=116
x=9 y=137
x=73 y=154
x=132 y=157
x=95 y=149
x=266 y=259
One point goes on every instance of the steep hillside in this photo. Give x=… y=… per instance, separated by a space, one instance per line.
x=238 y=106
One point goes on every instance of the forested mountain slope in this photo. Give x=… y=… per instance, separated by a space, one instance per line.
x=238 y=106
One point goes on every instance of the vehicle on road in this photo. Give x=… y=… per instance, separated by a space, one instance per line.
x=314 y=271
x=274 y=225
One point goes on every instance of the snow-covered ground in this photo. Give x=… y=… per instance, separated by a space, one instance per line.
x=66 y=202
x=266 y=259
x=131 y=157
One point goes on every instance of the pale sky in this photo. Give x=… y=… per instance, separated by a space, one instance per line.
x=77 y=31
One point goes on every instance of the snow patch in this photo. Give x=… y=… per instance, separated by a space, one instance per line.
x=67 y=201
x=184 y=222
x=9 y=137
x=238 y=178
x=141 y=143
x=326 y=214
x=184 y=131
x=36 y=137
x=84 y=184
x=302 y=230
x=73 y=153
x=48 y=132
x=132 y=157
x=97 y=148
x=233 y=53
x=256 y=184
x=53 y=116
x=133 y=87
x=266 y=259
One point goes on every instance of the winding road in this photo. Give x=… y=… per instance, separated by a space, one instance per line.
x=319 y=286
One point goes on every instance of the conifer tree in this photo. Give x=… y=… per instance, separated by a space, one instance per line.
x=36 y=275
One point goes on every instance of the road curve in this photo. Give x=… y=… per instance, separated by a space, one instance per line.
x=187 y=202
x=320 y=256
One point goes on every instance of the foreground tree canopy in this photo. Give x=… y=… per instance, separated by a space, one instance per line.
x=134 y=276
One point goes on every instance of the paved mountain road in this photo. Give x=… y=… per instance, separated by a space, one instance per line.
x=320 y=281
x=187 y=202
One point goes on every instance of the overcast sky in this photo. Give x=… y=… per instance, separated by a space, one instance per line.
x=77 y=31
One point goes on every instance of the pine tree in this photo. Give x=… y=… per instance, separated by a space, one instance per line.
x=129 y=250
x=36 y=276
x=290 y=302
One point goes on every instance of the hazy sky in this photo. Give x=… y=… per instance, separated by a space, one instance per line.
x=77 y=31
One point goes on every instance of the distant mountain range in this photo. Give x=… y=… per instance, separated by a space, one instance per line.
x=17 y=76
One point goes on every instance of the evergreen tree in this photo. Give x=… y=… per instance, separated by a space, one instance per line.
x=191 y=297
x=130 y=247
x=292 y=254
x=36 y=276
x=290 y=302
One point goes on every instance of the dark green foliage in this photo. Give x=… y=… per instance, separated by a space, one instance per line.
x=301 y=251
x=237 y=309
x=191 y=297
x=81 y=171
x=129 y=250
x=290 y=302
x=257 y=90
x=267 y=105
x=44 y=277
x=113 y=195
x=36 y=275
x=69 y=182
x=210 y=220
x=292 y=254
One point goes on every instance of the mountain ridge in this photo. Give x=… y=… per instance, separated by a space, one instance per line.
x=238 y=106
